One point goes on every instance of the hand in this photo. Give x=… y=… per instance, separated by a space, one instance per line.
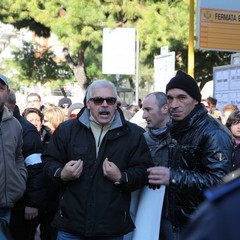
x=158 y=176
x=30 y=213
x=111 y=171
x=72 y=170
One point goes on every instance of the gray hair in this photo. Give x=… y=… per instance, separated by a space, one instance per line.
x=161 y=98
x=100 y=84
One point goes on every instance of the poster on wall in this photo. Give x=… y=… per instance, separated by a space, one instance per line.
x=164 y=70
x=227 y=85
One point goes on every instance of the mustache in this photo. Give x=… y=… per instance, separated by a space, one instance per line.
x=104 y=111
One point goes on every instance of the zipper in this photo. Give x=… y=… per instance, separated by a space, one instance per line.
x=99 y=138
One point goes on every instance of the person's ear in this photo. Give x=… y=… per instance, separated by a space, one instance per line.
x=88 y=105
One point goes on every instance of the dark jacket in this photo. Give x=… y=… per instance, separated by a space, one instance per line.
x=92 y=205
x=236 y=157
x=34 y=195
x=159 y=146
x=217 y=217
x=205 y=151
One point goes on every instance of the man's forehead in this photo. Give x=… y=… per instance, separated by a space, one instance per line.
x=99 y=91
x=149 y=101
x=33 y=97
x=176 y=92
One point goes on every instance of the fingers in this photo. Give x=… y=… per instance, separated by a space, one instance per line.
x=107 y=163
x=72 y=170
x=154 y=187
x=158 y=175
x=156 y=169
x=106 y=166
x=110 y=170
x=30 y=213
x=73 y=163
x=77 y=168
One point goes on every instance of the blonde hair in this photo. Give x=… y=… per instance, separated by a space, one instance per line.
x=55 y=115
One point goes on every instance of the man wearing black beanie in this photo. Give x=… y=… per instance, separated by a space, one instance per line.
x=200 y=160
x=185 y=82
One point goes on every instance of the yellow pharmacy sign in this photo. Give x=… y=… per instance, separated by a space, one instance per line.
x=219 y=29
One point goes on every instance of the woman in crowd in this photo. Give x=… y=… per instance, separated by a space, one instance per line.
x=46 y=126
x=227 y=110
x=53 y=116
x=233 y=124
x=35 y=116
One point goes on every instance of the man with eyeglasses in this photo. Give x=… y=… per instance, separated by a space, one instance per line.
x=34 y=101
x=98 y=158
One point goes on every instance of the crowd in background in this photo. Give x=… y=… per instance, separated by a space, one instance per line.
x=37 y=207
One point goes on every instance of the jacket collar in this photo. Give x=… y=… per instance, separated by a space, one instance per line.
x=6 y=114
x=84 y=118
x=178 y=127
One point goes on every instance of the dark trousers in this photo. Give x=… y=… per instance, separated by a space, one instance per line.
x=21 y=228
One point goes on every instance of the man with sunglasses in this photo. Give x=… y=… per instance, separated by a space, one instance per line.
x=98 y=158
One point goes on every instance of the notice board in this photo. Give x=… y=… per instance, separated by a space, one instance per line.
x=227 y=85
x=218 y=25
x=164 y=70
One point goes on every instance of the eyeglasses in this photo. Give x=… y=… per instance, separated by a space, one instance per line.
x=100 y=100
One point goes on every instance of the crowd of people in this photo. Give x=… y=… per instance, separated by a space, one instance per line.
x=84 y=171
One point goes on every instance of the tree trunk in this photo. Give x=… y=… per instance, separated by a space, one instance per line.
x=78 y=69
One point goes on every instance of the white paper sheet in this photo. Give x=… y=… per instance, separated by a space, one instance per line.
x=146 y=211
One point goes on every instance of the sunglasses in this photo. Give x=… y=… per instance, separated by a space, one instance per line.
x=100 y=100
x=65 y=105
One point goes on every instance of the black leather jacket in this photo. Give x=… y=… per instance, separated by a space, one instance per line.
x=205 y=151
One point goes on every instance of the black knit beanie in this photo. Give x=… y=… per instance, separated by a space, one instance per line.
x=185 y=82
